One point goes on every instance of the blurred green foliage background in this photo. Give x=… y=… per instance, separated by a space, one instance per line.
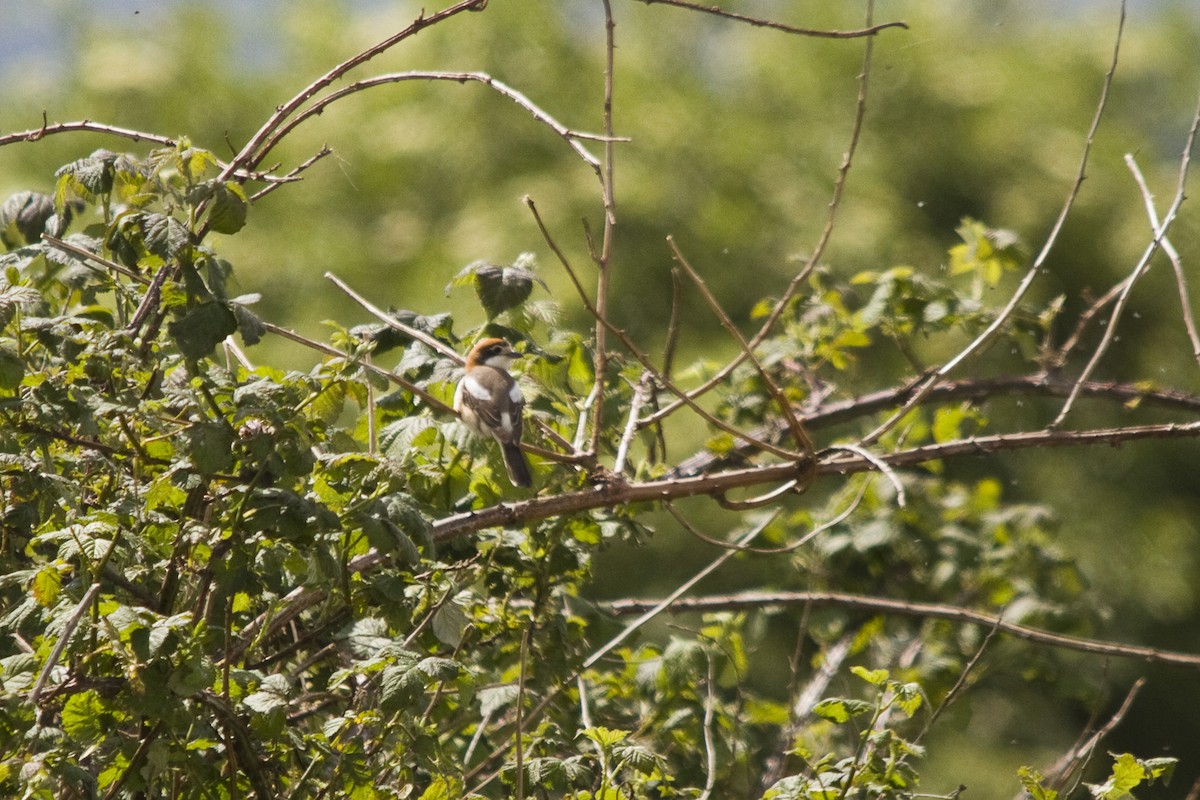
x=736 y=133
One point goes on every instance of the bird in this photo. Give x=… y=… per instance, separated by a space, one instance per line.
x=490 y=403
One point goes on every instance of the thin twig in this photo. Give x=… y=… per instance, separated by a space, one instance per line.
x=758 y=600
x=1078 y=757
x=802 y=440
x=1035 y=268
x=68 y=629
x=395 y=324
x=710 y=748
x=1139 y=270
x=640 y=393
x=433 y=402
x=292 y=175
x=34 y=134
x=570 y=136
x=685 y=587
x=959 y=684
x=637 y=352
x=81 y=252
x=757 y=22
x=881 y=465
x=253 y=152
x=835 y=202
x=1189 y=321
x=604 y=258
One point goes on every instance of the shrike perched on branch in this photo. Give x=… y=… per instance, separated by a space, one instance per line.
x=490 y=403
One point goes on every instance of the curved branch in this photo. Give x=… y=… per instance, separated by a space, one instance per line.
x=567 y=134
x=757 y=600
x=757 y=22
x=34 y=134
x=252 y=153
x=977 y=390
x=1035 y=268
x=810 y=263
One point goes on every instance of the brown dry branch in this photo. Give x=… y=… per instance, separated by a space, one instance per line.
x=1075 y=760
x=972 y=389
x=1181 y=285
x=798 y=280
x=615 y=494
x=393 y=323
x=637 y=352
x=254 y=151
x=1139 y=270
x=1035 y=268
x=570 y=136
x=799 y=435
x=882 y=605
x=603 y=259
x=759 y=22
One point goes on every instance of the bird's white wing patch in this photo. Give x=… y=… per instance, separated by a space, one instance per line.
x=514 y=394
x=477 y=389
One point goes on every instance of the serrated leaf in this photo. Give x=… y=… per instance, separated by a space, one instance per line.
x=165 y=237
x=203 y=328
x=12 y=369
x=227 y=208
x=46 y=585
x=443 y=788
x=450 y=623
x=248 y=324
x=841 y=709
x=875 y=677
x=23 y=218
x=499 y=288
x=209 y=447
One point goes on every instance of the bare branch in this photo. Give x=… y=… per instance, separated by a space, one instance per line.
x=883 y=605
x=292 y=175
x=570 y=136
x=87 y=125
x=433 y=402
x=252 y=153
x=1034 y=269
x=1143 y=265
x=640 y=394
x=1078 y=757
x=603 y=259
x=978 y=390
x=637 y=353
x=802 y=440
x=870 y=30
x=395 y=324
x=653 y=610
x=1189 y=321
x=835 y=202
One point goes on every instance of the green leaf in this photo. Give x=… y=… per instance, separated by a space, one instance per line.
x=46 y=585
x=202 y=329
x=499 y=289
x=209 y=446
x=23 y=218
x=443 y=788
x=875 y=677
x=165 y=237
x=841 y=709
x=12 y=368
x=1032 y=781
x=605 y=737
x=87 y=718
x=450 y=622
x=227 y=208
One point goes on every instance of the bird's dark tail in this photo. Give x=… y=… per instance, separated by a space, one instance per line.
x=518 y=467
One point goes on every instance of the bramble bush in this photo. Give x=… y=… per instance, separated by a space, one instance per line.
x=222 y=579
